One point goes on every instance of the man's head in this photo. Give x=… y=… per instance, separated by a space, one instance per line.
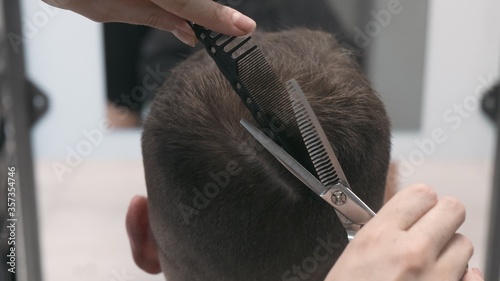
x=220 y=206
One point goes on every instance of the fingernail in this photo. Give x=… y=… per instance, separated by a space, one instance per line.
x=184 y=37
x=478 y=272
x=243 y=22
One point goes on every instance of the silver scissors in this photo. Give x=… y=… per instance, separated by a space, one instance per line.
x=331 y=184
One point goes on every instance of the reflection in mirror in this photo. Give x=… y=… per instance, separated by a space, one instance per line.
x=392 y=34
x=387 y=34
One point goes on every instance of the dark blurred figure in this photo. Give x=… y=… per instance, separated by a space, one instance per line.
x=138 y=58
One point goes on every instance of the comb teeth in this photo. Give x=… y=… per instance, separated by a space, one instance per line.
x=261 y=91
x=272 y=98
x=311 y=135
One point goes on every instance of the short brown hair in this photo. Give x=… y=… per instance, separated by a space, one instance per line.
x=221 y=207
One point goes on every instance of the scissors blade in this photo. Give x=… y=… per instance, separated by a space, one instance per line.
x=286 y=160
x=355 y=212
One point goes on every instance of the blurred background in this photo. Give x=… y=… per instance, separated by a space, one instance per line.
x=431 y=61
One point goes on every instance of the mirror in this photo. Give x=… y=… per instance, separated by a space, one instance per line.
x=430 y=62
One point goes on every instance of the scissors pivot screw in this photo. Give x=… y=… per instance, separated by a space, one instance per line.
x=339 y=198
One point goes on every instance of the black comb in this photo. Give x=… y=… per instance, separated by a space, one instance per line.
x=261 y=91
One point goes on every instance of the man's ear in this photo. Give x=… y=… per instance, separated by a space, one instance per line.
x=141 y=238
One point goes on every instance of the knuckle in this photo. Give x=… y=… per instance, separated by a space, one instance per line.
x=414 y=262
x=180 y=5
x=415 y=257
x=220 y=13
x=156 y=22
x=100 y=15
x=426 y=191
x=465 y=243
x=411 y=254
x=454 y=204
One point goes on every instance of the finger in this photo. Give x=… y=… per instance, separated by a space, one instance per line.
x=473 y=274
x=151 y=15
x=453 y=259
x=56 y=3
x=405 y=208
x=211 y=15
x=439 y=224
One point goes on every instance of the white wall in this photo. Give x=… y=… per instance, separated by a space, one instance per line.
x=462 y=61
x=394 y=34
x=65 y=58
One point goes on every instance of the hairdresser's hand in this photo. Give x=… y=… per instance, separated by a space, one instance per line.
x=169 y=15
x=413 y=237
